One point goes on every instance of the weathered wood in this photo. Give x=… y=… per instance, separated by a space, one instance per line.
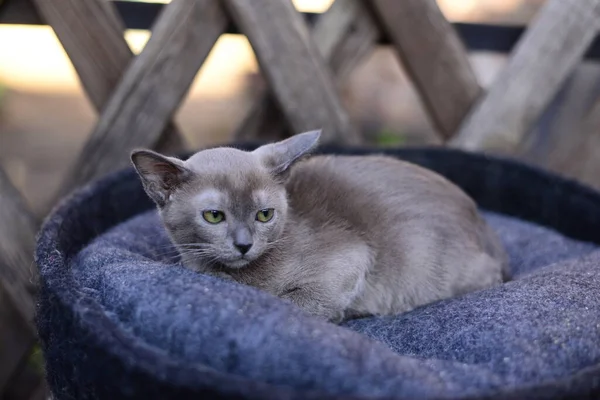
x=17 y=242
x=18 y=12
x=92 y=36
x=584 y=163
x=434 y=57
x=152 y=87
x=543 y=58
x=345 y=22
x=16 y=338
x=291 y=64
x=18 y=280
x=355 y=46
x=264 y=122
x=560 y=132
x=345 y=34
x=91 y=33
x=28 y=382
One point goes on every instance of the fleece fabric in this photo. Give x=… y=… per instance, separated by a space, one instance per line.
x=119 y=317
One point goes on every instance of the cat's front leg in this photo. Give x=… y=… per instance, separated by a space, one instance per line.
x=326 y=284
x=317 y=301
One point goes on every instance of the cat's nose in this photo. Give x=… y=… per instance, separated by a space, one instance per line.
x=243 y=247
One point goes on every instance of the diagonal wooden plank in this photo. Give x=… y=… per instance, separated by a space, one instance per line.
x=543 y=58
x=548 y=144
x=92 y=36
x=17 y=242
x=18 y=281
x=152 y=88
x=91 y=33
x=583 y=161
x=433 y=56
x=345 y=34
x=293 y=67
x=358 y=43
x=16 y=338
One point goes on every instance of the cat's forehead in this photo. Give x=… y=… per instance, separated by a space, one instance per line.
x=228 y=170
x=223 y=159
x=215 y=196
x=230 y=173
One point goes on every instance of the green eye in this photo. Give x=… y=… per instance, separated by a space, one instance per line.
x=265 y=215
x=213 y=216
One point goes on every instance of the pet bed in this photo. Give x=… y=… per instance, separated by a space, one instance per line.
x=119 y=317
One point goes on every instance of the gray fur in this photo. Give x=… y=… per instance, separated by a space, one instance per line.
x=351 y=235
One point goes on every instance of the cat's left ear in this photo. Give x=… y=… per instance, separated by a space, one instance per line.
x=279 y=156
x=160 y=175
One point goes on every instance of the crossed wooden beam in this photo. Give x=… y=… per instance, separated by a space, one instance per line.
x=136 y=97
x=137 y=110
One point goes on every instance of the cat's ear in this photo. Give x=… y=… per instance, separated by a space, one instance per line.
x=279 y=156
x=160 y=175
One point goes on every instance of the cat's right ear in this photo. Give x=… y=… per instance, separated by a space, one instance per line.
x=279 y=156
x=160 y=175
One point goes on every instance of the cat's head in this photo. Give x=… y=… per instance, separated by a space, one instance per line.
x=223 y=205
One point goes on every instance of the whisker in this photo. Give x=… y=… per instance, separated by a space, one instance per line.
x=177 y=249
x=181 y=245
x=174 y=253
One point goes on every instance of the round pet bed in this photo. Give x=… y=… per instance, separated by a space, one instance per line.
x=119 y=317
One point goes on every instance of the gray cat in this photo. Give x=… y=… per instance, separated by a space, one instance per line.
x=339 y=236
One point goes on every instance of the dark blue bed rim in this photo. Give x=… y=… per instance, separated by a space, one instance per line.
x=123 y=330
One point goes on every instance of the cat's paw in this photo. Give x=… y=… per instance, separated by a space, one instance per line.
x=337 y=317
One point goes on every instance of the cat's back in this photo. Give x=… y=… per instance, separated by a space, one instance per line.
x=372 y=189
x=427 y=237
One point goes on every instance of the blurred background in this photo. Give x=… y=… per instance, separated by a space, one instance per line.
x=45 y=116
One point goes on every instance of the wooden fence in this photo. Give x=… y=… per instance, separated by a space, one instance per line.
x=304 y=65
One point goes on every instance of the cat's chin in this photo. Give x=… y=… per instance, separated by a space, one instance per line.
x=237 y=264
